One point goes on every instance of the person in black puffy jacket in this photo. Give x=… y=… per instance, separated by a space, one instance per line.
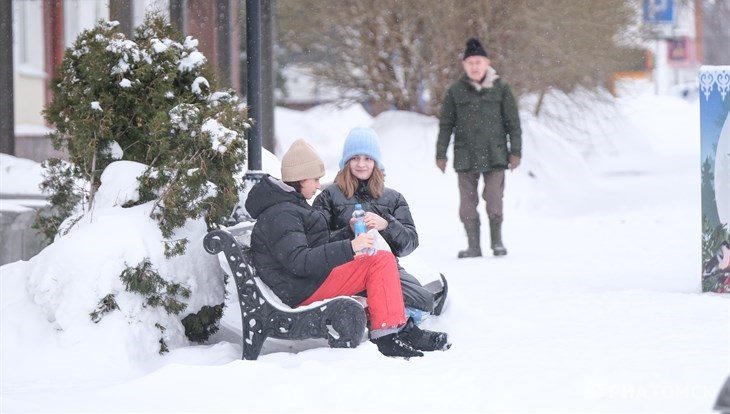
x=361 y=180
x=297 y=257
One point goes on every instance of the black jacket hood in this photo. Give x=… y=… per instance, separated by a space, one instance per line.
x=269 y=192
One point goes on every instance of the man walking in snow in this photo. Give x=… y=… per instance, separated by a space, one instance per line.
x=481 y=113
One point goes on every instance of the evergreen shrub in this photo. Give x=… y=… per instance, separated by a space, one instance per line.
x=149 y=99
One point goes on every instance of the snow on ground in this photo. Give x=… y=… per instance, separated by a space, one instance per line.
x=597 y=307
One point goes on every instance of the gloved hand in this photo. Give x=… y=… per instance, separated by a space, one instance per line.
x=442 y=165
x=514 y=162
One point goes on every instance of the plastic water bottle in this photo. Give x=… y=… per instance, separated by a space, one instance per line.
x=359 y=226
x=359 y=216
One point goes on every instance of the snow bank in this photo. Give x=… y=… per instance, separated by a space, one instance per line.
x=67 y=289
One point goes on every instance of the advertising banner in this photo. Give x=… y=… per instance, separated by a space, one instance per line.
x=715 y=167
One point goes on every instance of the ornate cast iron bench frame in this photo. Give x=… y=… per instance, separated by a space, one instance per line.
x=342 y=320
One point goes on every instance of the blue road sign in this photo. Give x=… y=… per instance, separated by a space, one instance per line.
x=658 y=11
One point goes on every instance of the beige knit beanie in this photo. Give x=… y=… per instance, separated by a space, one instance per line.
x=301 y=162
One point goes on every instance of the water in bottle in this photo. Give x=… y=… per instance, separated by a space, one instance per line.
x=359 y=226
x=359 y=216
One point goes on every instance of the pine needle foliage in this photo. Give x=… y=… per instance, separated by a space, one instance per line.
x=201 y=325
x=157 y=291
x=163 y=344
x=61 y=183
x=107 y=304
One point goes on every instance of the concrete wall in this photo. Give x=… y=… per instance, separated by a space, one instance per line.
x=36 y=147
x=19 y=240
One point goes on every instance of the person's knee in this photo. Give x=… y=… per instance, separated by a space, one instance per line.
x=384 y=253
x=385 y=266
x=383 y=256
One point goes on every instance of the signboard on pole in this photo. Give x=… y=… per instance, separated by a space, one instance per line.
x=715 y=173
x=678 y=49
x=681 y=52
x=658 y=11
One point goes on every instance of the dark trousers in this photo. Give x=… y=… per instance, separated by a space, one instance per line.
x=414 y=294
x=492 y=194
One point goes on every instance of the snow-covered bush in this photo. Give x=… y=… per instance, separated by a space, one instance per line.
x=109 y=277
x=151 y=100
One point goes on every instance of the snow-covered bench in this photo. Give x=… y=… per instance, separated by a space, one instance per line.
x=341 y=320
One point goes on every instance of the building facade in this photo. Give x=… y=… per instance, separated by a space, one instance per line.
x=43 y=29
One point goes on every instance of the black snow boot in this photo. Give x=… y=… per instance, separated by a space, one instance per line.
x=495 y=232
x=440 y=297
x=439 y=290
x=424 y=340
x=472 y=236
x=394 y=346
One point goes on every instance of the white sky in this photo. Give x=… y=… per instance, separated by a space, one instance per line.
x=597 y=307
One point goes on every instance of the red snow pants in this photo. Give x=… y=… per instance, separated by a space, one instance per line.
x=378 y=275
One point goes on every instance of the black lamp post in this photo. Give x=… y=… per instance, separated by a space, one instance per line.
x=253 y=84
x=7 y=112
x=253 y=97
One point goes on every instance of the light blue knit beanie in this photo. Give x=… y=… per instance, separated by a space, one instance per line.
x=361 y=141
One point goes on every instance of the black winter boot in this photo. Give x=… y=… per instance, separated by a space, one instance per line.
x=440 y=298
x=472 y=236
x=394 y=346
x=424 y=340
x=495 y=232
x=439 y=290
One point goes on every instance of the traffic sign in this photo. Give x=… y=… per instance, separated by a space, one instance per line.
x=658 y=11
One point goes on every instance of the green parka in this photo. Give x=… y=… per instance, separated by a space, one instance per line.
x=485 y=124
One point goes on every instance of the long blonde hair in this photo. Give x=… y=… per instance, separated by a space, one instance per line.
x=348 y=183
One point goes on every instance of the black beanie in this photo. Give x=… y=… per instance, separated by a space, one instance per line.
x=474 y=48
